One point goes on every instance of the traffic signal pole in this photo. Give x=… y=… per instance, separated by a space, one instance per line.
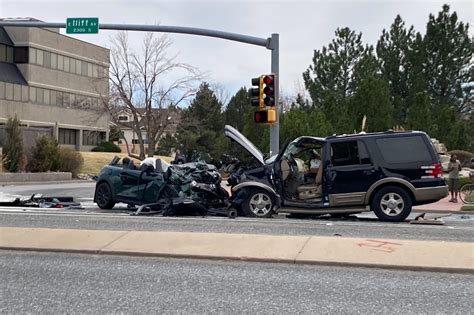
x=275 y=128
x=271 y=43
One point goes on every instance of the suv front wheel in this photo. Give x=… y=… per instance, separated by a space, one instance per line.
x=392 y=204
x=258 y=203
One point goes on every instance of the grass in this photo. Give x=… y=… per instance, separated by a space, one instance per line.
x=467 y=208
x=94 y=161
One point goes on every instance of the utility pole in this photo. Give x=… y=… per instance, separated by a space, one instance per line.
x=271 y=43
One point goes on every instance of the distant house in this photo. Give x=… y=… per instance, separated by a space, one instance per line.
x=124 y=120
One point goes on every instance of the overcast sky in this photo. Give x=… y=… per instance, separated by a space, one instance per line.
x=303 y=27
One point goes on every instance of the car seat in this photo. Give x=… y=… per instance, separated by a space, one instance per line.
x=312 y=191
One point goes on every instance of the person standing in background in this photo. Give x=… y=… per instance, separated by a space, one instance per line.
x=454 y=166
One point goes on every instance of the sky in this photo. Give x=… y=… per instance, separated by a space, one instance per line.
x=303 y=26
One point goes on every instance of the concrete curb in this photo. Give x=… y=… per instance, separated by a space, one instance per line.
x=242 y=259
x=453 y=257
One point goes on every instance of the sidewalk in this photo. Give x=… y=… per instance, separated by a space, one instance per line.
x=341 y=251
x=442 y=205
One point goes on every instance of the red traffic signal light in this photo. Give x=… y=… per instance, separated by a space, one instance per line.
x=265 y=116
x=269 y=90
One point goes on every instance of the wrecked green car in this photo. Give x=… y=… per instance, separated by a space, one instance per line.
x=162 y=188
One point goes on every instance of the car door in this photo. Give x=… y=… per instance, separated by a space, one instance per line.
x=349 y=172
x=129 y=184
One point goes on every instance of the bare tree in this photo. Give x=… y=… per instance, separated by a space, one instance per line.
x=150 y=85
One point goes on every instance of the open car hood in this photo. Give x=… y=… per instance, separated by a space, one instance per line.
x=235 y=135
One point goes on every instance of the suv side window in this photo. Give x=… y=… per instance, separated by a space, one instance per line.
x=349 y=153
x=403 y=149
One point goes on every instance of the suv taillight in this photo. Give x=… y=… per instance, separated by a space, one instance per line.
x=433 y=171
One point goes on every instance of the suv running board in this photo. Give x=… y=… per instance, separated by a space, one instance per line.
x=324 y=210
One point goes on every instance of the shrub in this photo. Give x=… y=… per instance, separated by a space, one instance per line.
x=13 y=150
x=45 y=155
x=70 y=161
x=107 y=147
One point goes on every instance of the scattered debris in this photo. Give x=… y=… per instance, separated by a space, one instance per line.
x=40 y=201
x=434 y=220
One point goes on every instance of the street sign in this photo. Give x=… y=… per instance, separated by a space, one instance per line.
x=82 y=25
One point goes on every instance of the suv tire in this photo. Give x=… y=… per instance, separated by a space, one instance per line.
x=392 y=204
x=259 y=203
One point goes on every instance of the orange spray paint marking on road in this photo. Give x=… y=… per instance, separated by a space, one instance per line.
x=381 y=246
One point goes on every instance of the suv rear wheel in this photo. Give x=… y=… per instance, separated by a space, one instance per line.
x=391 y=203
x=259 y=203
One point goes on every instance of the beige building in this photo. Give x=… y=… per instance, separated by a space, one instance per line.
x=54 y=84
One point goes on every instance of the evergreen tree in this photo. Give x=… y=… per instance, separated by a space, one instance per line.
x=330 y=79
x=394 y=50
x=372 y=99
x=419 y=114
x=202 y=125
x=448 y=54
x=235 y=111
x=13 y=150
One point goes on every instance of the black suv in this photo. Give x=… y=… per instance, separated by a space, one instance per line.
x=385 y=172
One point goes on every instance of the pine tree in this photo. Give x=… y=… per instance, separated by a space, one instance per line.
x=330 y=79
x=202 y=126
x=419 y=114
x=449 y=51
x=236 y=109
x=372 y=99
x=394 y=50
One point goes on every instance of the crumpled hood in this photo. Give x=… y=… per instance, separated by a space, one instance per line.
x=235 y=135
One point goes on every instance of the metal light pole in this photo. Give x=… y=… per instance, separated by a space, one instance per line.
x=275 y=128
x=271 y=43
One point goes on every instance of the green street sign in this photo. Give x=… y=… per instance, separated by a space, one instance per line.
x=82 y=25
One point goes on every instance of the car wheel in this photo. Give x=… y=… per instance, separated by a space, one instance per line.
x=103 y=196
x=392 y=204
x=259 y=203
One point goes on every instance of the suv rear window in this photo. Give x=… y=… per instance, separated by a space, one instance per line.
x=404 y=149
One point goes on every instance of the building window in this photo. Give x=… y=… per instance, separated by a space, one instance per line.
x=32 y=54
x=92 y=137
x=123 y=118
x=40 y=95
x=3 y=53
x=47 y=59
x=72 y=65
x=2 y=90
x=9 y=54
x=39 y=57
x=53 y=98
x=67 y=136
x=9 y=91
x=60 y=62
x=54 y=60
x=32 y=94
x=84 y=68
x=66 y=64
x=21 y=55
x=78 y=67
x=16 y=92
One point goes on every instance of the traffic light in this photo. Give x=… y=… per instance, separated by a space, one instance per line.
x=269 y=90
x=256 y=92
x=267 y=116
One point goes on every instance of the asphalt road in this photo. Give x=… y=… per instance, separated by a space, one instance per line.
x=457 y=228
x=65 y=283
